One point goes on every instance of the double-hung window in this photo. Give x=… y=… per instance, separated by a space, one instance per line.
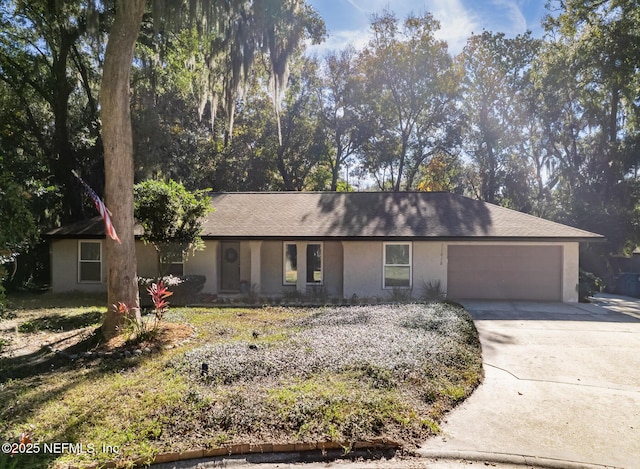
x=314 y=263
x=290 y=267
x=313 y=272
x=176 y=267
x=89 y=261
x=397 y=268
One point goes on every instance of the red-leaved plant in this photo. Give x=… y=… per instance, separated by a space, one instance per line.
x=139 y=330
x=129 y=326
x=159 y=294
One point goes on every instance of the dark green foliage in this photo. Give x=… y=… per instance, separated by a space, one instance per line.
x=18 y=228
x=588 y=285
x=171 y=217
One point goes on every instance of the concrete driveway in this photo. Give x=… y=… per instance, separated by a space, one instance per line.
x=561 y=389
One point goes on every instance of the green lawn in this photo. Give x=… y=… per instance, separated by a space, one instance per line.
x=275 y=375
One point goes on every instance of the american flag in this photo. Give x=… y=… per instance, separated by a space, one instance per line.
x=102 y=208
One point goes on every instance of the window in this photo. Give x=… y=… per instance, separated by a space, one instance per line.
x=171 y=263
x=290 y=264
x=176 y=268
x=397 y=265
x=90 y=261
x=314 y=263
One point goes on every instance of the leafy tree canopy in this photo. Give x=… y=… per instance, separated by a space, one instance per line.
x=18 y=226
x=171 y=217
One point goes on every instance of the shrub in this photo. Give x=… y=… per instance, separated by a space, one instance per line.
x=433 y=291
x=588 y=285
x=185 y=287
x=171 y=217
x=401 y=295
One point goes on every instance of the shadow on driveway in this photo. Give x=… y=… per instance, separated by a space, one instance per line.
x=602 y=308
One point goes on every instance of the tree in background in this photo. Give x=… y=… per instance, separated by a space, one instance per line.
x=410 y=107
x=544 y=126
x=496 y=71
x=48 y=65
x=171 y=138
x=18 y=226
x=588 y=77
x=302 y=147
x=340 y=91
x=443 y=173
x=171 y=217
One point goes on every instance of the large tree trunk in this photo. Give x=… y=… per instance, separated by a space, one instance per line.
x=118 y=160
x=64 y=157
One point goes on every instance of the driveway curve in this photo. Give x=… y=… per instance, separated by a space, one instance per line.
x=562 y=385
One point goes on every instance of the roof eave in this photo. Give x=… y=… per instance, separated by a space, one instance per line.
x=560 y=239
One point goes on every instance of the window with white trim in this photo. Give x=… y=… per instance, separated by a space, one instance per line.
x=314 y=263
x=172 y=264
x=314 y=273
x=176 y=268
x=397 y=268
x=89 y=261
x=290 y=264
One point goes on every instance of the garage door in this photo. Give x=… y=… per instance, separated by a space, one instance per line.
x=505 y=272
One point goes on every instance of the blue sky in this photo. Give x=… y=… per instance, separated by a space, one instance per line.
x=348 y=21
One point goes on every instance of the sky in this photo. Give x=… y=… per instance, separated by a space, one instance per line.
x=347 y=21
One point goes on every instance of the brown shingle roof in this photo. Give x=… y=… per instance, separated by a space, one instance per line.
x=373 y=215
x=342 y=215
x=91 y=228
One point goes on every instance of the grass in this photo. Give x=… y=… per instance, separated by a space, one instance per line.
x=276 y=375
x=56 y=322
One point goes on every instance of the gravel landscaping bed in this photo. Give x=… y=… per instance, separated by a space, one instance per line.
x=340 y=373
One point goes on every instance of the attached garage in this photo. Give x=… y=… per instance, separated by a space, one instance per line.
x=515 y=272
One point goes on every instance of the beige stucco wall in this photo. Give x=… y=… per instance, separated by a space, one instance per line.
x=362 y=271
x=147 y=259
x=363 y=268
x=350 y=267
x=429 y=266
x=205 y=262
x=570 y=272
x=333 y=268
x=64 y=265
x=271 y=275
x=64 y=268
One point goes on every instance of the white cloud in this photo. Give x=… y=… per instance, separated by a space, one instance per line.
x=338 y=40
x=458 y=20
x=457 y=23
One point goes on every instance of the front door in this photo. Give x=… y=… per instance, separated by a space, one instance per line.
x=230 y=278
